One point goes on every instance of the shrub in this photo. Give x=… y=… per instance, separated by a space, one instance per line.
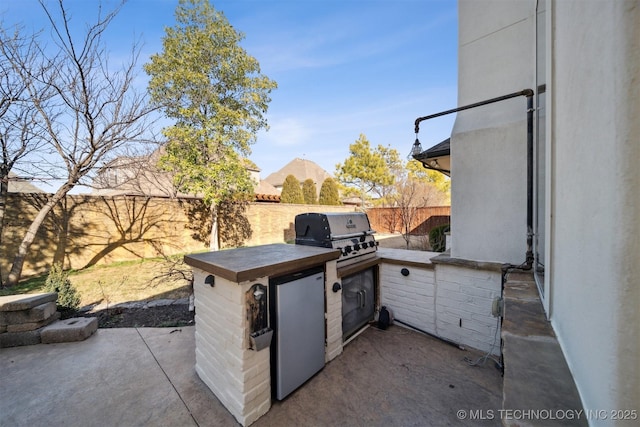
x=437 y=238
x=58 y=281
x=291 y=191
x=329 y=194
x=309 y=192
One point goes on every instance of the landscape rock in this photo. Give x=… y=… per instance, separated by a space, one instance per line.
x=159 y=302
x=26 y=301
x=23 y=327
x=68 y=330
x=38 y=313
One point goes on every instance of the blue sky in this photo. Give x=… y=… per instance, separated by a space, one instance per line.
x=343 y=67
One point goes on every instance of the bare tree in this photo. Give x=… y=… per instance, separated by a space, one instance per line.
x=87 y=113
x=18 y=124
x=410 y=196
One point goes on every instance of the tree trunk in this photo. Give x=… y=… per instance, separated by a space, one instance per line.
x=23 y=250
x=4 y=191
x=214 y=242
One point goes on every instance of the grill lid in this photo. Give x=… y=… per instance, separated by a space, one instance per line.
x=319 y=229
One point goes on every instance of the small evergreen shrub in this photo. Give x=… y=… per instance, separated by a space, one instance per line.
x=329 y=194
x=58 y=281
x=437 y=238
x=291 y=191
x=309 y=192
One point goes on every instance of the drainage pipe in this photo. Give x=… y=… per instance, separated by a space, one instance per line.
x=444 y=340
x=528 y=93
x=529 y=255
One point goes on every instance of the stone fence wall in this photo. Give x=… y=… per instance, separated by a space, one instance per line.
x=87 y=230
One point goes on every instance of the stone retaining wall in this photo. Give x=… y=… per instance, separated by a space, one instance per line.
x=33 y=318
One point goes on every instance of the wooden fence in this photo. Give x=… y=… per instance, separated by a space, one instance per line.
x=423 y=220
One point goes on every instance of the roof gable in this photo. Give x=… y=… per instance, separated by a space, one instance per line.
x=302 y=169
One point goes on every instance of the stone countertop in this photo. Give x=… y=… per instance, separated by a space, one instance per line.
x=249 y=263
x=407 y=258
x=403 y=257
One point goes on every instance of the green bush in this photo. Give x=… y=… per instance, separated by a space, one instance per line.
x=58 y=281
x=329 y=194
x=437 y=238
x=309 y=192
x=291 y=191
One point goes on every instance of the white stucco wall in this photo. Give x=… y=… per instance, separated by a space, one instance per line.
x=488 y=144
x=594 y=271
x=593 y=180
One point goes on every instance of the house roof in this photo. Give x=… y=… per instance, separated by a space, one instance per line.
x=437 y=158
x=139 y=176
x=21 y=185
x=302 y=169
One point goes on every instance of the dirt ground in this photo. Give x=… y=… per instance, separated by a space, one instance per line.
x=157 y=317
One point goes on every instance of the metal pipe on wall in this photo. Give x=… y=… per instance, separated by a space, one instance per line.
x=528 y=93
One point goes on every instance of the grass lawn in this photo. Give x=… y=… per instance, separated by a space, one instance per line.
x=143 y=280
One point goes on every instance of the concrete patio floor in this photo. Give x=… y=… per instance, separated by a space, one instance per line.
x=146 y=376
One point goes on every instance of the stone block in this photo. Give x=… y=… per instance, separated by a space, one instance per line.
x=68 y=330
x=36 y=314
x=26 y=301
x=15 y=339
x=23 y=327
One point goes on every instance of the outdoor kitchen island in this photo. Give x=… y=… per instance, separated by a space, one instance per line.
x=233 y=331
x=234 y=350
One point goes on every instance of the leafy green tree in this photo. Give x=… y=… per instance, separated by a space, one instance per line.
x=291 y=191
x=213 y=90
x=329 y=194
x=396 y=168
x=309 y=192
x=365 y=169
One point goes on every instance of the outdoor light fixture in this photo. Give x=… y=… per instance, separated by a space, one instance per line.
x=528 y=93
x=417 y=147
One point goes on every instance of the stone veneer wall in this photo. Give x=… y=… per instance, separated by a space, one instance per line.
x=274 y=222
x=449 y=301
x=239 y=376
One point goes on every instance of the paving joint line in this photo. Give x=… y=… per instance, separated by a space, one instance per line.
x=167 y=377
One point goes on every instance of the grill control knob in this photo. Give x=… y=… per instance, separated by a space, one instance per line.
x=347 y=250
x=356 y=247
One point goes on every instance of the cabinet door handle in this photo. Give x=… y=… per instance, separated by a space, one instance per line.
x=362 y=298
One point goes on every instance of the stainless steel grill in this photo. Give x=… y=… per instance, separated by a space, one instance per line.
x=349 y=232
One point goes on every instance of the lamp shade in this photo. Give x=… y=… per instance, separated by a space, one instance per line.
x=417 y=148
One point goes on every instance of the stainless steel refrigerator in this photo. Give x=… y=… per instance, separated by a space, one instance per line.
x=297 y=318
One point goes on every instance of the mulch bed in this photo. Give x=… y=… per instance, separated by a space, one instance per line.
x=153 y=317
